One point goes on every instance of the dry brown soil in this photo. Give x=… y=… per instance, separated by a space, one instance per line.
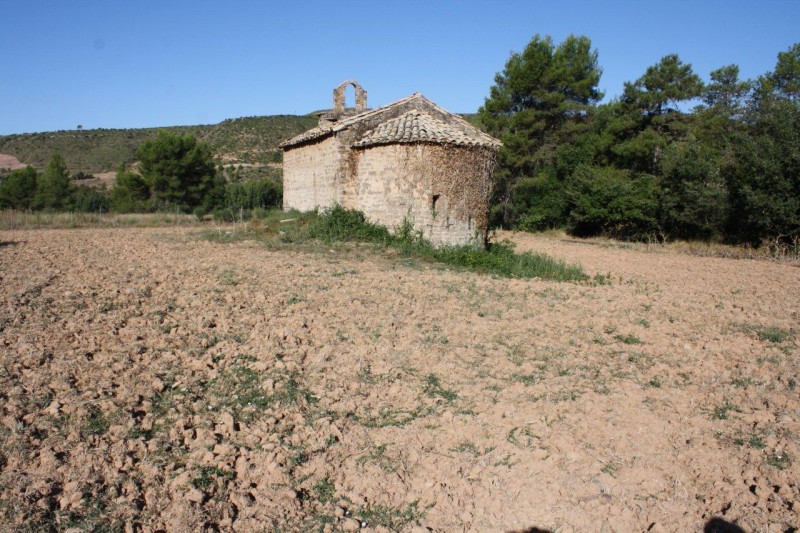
x=10 y=162
x=159 y=381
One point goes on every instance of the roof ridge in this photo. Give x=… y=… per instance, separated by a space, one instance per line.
x=339 y=126
x=463 y=133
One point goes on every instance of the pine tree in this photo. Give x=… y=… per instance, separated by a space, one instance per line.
x=54 y=188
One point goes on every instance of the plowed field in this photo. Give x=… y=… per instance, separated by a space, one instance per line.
x=152 y=380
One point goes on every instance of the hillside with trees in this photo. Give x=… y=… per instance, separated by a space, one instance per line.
x=247 y=140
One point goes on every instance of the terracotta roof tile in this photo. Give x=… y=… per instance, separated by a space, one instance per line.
x=416 y=126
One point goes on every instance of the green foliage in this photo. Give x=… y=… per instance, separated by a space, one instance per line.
x=178 y=169
x=433 y=388
x=779 y=460
x=395 y=519
x=18 y=190
x=222 y=215
x=263 y=193
x=764 y=175
x=645 y=166
x=612 y=202
x=97 y=422
x=786 y=77
x=206 y=477
x=501 y=259
x=130 y=192
x=773 y=335
x=639 y=167
x=88 y=200
x=345 y=225
x=80 y=175
x=722 y=412
x=539 y=203
x=693 y=194
x=539 y=96
x=726 y=93
x=649 y=116
x=54 y=187
x=662 y=87
x=324 y=489
x=628 y=339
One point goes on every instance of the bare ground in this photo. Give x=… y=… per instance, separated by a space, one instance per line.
x=158 y=381
x=10 y=162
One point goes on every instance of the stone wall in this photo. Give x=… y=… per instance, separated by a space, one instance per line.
x=311 y=173
x=391 y=187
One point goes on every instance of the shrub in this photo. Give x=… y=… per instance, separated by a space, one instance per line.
x=19 y=189
x=87 y=200
x=130 y=192
x=199 y=212
x=264 y=193
x=339 y=224
x=223 y=215
x=606 y=201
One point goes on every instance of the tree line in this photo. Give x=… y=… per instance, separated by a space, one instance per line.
x=174 y=172
x=672 y=157
x=53 y=190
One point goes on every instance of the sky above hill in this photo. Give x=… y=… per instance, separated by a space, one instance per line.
x=115 y=64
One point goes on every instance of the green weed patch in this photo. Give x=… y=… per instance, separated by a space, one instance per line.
x=338 y=225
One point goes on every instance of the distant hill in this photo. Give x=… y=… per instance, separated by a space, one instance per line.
x=247 y=141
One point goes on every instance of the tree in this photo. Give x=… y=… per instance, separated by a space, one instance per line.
x=19 y=189
x=608 y=201
x=54 y=188
x=764 y=172
x=693 y=195
x=650 y=113
x=726 y=93
x=130 y=192
x=786 y=77
x=726 y=98
x=178 y=169
x=535 y=99
x=663 y=86
x=764 y=179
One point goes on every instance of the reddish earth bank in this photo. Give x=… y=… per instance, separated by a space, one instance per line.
x=152 y=380
x=10 y=162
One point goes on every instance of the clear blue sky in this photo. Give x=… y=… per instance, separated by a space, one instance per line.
x=128 y=64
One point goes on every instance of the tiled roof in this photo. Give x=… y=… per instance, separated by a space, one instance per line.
x=309 y=135
x=416 y=126
x=322 y=131
x=446 y=132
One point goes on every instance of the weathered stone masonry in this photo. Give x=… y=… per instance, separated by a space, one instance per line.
x=409 y=160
